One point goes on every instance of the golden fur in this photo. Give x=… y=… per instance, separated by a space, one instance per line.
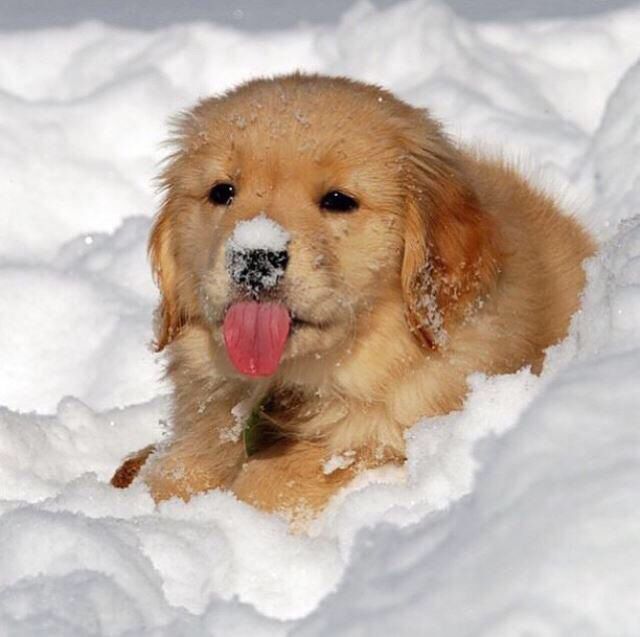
x=452 y=264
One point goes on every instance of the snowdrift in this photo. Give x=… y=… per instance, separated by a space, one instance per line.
x=517 y=515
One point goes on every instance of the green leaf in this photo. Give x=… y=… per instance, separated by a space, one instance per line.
x=252 y=431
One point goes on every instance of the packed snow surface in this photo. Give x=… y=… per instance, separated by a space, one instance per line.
x=518 y=515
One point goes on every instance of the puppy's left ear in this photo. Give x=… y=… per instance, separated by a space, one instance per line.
x=450 y=245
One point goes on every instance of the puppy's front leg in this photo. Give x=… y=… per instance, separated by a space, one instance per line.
x=203 y=454
x=191 y=465
x=289 y=477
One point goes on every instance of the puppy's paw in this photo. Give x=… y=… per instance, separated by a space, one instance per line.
x=130 y=468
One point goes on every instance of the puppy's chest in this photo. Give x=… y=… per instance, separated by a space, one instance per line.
x=296 y=413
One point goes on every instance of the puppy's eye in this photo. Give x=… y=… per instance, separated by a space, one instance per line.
x=336 y=201
x=222 y=194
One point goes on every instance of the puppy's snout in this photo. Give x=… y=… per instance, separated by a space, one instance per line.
x=256 y=270
x=256 y=254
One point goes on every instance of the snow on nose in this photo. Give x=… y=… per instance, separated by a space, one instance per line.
x=259 y=233
x=256 y=253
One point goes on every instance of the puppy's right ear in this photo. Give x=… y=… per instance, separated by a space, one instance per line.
x=169 y=318
x=451 y=257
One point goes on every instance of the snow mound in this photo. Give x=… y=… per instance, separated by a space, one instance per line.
x=516 y=515
x=546 y=541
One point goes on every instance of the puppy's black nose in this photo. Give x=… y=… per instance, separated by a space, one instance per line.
x=258 y=269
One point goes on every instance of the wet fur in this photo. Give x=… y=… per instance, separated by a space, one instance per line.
x=453 y=264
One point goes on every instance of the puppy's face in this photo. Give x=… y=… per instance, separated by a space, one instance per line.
x=286 y=218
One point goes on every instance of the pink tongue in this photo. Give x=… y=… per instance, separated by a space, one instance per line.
x=255 y=335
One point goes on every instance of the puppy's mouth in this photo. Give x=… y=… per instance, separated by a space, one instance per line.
x=256 y=333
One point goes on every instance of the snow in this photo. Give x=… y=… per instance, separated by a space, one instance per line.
x=258 y=233
x=339 y=461
x=547 y=540
x=260 y=16
x=517 y=515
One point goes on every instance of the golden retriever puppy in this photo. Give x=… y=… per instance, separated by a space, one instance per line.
x=332 y=268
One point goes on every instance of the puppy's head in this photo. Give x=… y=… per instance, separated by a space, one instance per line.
x=296 y=206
